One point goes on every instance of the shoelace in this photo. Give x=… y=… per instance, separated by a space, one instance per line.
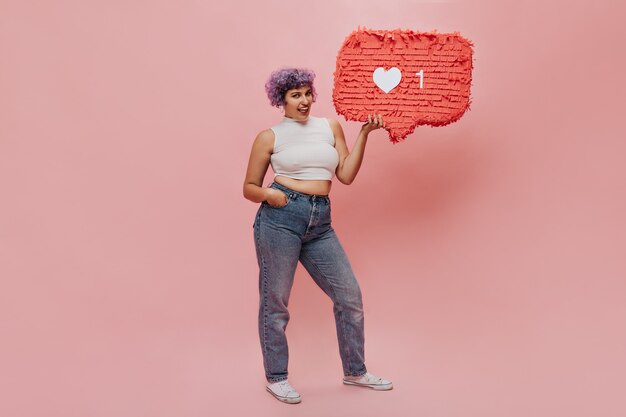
x=370 y=379
x=287 y=387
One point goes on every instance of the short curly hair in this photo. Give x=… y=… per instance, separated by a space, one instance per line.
x=284 y=79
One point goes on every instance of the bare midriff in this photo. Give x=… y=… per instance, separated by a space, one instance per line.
x=319 y=187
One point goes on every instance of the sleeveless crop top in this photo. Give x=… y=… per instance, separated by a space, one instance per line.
x=304 y=150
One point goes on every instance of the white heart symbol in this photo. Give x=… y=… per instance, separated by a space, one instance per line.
x=387 y=80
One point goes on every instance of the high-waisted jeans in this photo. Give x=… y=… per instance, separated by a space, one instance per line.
x=301 y=230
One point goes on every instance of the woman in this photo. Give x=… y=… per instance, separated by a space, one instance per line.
x=293 y=223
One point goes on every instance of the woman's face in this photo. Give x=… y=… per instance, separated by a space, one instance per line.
x=298 y=103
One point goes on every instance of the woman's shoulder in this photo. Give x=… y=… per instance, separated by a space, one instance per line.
x=266 y=133
x=334 y=124
x=265 y=138
x=332 y=121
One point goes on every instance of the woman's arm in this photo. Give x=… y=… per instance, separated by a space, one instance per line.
x=350 y=162
x=257 y=167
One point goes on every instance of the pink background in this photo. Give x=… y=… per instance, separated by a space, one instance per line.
x=490 y=252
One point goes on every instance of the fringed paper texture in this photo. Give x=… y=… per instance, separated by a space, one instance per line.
x=443 y=59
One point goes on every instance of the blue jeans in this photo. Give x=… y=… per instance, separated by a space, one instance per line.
x=301 y=230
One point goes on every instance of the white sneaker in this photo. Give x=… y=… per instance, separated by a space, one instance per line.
x=284 y=392
x=368 y=380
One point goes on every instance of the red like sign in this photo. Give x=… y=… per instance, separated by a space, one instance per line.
x=410 y=78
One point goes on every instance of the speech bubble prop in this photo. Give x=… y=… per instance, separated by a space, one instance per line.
x=410 y=78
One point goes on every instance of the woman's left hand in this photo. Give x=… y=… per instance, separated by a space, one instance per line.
x=374 y=121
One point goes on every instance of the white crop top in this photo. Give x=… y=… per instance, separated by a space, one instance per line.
x=304 y=150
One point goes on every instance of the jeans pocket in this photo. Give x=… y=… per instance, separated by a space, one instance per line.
x=283 y=206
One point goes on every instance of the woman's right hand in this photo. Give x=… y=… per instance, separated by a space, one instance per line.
x=374 y=122
x=276 y=198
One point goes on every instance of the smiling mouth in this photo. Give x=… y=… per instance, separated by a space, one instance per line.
x=303 y=109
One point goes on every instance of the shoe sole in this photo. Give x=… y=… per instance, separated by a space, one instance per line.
x=284 y=399
x=385 y=387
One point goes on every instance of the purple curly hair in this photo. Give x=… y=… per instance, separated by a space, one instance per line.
x=284 y=79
